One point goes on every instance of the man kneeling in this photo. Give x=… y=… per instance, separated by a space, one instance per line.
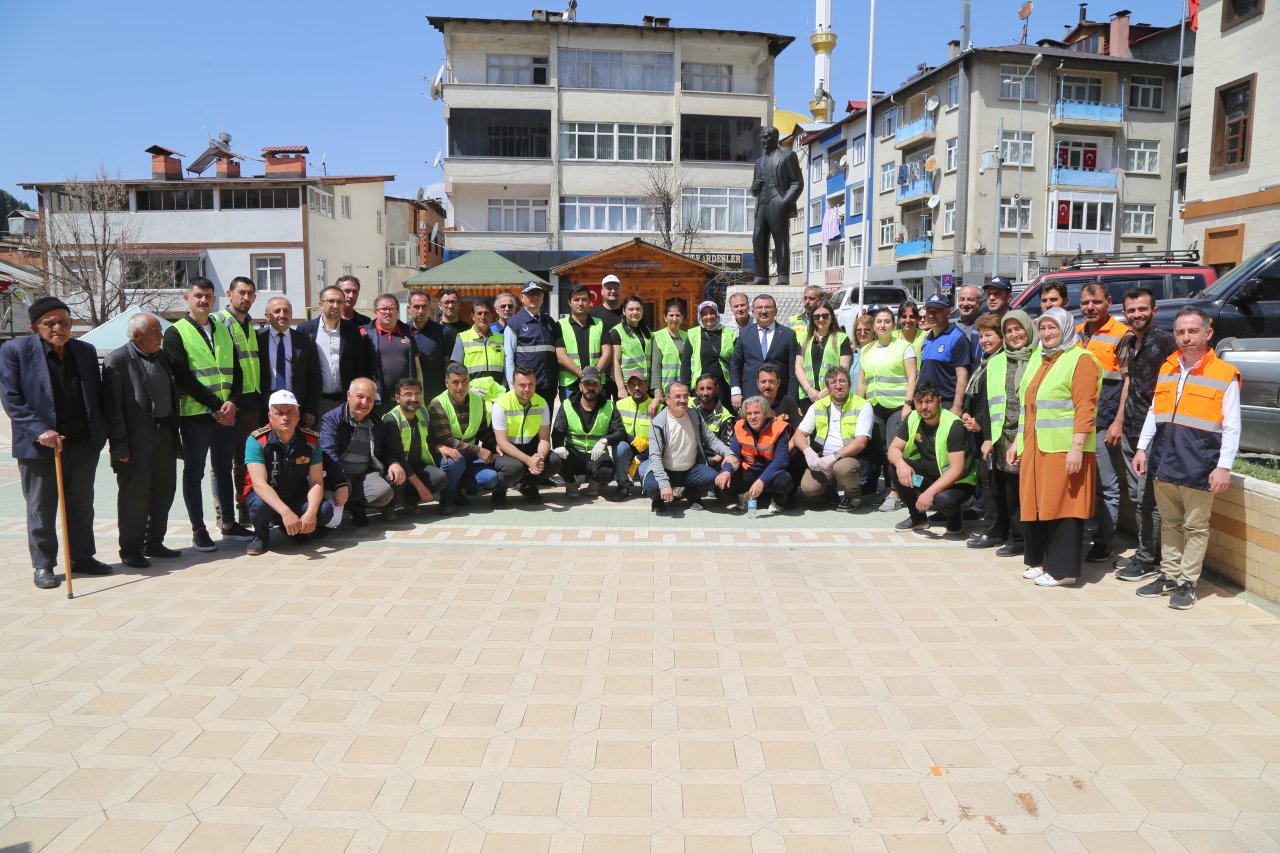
x=285 y=482
x=832 y=434
x=930 y=456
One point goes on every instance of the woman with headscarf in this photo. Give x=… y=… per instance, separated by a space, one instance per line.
x=1056 y=446
x=710 y=348
x=1001 y=380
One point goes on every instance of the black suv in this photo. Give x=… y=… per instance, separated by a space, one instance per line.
x=1244 y=303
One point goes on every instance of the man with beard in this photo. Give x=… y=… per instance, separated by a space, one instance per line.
x=718 y=419
x=522 y=431
x=633 y=411
x=460 y=430
x=449 y=304
x=999 y=294
x=408 y=442
x=586 y=430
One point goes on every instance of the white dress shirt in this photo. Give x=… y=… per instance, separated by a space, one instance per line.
x=1230 y=418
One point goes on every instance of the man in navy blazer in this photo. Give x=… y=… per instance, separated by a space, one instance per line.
x=298 y=372
x=52 y=392
x=780 y=347
x=340 y=350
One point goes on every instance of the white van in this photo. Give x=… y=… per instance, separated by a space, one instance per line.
x=845 y=301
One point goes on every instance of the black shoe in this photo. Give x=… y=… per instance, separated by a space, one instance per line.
x=982 y=540
x=937 y=518
x=236 y=531
x=359 y=517
x=1184 y=597
x=135 y=561
x=912 y=522
x=1135 y=572
x=1158 y=587
x=657 y=505
x=256 y=548
x=624 y=491
x=46 y=579
x=1098 y=553
x=847 y=504
x=389 y=514
x=160 y=551
x=201 y=541
x=531 y=494
x=461 y=499
x=91 y=567
x=445 y=508
x=499 y=497
x=955 y=526
x=319 y=533
x=1011 y=549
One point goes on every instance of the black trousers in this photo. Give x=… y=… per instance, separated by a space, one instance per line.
x=580 y=464
x=513 y=474
x=40 y=489
x=779 y=489
x=949 y=502
x=1056 y=545
x=147 y=484
x=1002 y=512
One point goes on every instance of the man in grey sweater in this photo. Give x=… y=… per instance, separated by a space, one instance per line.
x=679 y=444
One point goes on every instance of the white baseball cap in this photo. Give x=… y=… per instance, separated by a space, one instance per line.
x=611 y=279
x=282 y=398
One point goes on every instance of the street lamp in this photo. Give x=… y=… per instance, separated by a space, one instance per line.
x=1021 y=82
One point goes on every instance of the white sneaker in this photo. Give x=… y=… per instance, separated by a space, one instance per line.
x=890 y=504
x=1047 y=579
x=1033 y=572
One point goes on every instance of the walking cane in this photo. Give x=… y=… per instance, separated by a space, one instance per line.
x=62 y=514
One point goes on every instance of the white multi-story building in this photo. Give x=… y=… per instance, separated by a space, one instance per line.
x=293 y=234
x=564 y=136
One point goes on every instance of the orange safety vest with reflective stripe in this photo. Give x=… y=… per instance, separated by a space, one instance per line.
x=1103 y=346
x=1189 y=428
x=759 y=447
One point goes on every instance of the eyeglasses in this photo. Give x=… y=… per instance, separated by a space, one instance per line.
x=822 y=316
x=385 y=309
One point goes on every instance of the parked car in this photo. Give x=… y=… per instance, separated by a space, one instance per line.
x=1174 y=275
x=847 y=308
x=1244 y=303
x=1258 y=360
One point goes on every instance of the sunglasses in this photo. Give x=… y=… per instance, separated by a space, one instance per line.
x=822 y=316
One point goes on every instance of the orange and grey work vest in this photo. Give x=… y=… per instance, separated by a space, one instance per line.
x=1189 y=427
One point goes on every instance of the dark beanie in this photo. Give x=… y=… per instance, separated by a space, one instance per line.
x=43 y=306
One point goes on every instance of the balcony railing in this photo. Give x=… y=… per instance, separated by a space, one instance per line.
x=1104 y=179
x=908 y=133
x=912 y=249
x=1088 y=111
x=919 y=188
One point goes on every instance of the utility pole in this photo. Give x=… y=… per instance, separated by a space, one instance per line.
x=995 y=240
x=962 y=156
x=869 y=162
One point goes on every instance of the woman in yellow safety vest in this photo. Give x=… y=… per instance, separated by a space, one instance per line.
x=1056 y=447
x=822 y=346
x=864 y=334
x=669 y=361
x=888 y=381
x=632 y=344
x=909 y=326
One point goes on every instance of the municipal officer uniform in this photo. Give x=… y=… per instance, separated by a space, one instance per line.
x=288 y=467
x=530 y=342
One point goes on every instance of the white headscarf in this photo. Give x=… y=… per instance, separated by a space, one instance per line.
x=1069 y=336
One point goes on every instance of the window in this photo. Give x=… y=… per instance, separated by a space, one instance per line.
x=1146 y=93
x=857 y=201
x=953 y=146
x=380 y=281
x=196 y=199
x=403 y=254
x=949 y=218
x=320 y=200
x=500 y=133
x=261 y=198
x=834 y=166
x=601 y=213
x=716 y=209
x=889 y=122
x=322 y=274
x=1232 y=125
x=378 y=214
x=888 y=176
x=1238 y=11
x=1076 y=154
x=815 y=170
x=516 y=70
x=518 y=214
x=723 y=139
x=1015 y=217
x=346 y=269
x=1012 y=86
x=644 y=142
x=1138 y=220
x=858 y=151
x=1083 y=89
x=156 y=273
x=815 y=213
x=627 y=70
x=797 y=222
x=835 y=254
x=268 y=272
x=1088 y=44
x=815 y=258
x=797 y=261
x=888 y=231
x=706 y=77
x=1015 y=147
x=1093 y=216
x=953 y=90
x=1142 y=155
x=854 y=254
x=609 y=141
x=346 y=206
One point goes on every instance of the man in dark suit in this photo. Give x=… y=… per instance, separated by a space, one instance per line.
x=762 y=341
x=434 y=341
x=141 y=401
x=289 y=362
x=52 y=391
x=340 y=350
x=777 y=184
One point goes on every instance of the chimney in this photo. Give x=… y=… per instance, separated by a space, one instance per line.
x=228 y=167
x=165 y=165
x=662 y=23
x=286 y=160
x=1084 y=12
x=1118 y=40
x=953 y=48
x=647 y=21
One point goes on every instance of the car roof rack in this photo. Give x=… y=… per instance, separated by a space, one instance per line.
x=1102 y=260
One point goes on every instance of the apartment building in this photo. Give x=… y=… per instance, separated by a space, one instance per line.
x=291 y=232
x=567 y=137
x=1233 y=177
x=415 y=239
x=1080 y=144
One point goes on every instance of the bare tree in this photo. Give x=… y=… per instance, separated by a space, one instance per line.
x=662 y=189
x=93 y=261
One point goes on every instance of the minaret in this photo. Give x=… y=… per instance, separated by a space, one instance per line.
x=822 y=107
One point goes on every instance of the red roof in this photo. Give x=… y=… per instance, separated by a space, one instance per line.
x=285 y=149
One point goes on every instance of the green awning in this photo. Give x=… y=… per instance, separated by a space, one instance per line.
x=114 y=333
x=477 y=267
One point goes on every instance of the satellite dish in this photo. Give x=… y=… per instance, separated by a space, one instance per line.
x=844 y=161
x=933 y=201
x=1026 y=10
x=437 y=85
x=435 y=164
x=931 y=164
x=435 y=231
x=421 y=194
x=932 y=104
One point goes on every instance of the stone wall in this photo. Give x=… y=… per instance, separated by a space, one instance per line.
x=1244 y=545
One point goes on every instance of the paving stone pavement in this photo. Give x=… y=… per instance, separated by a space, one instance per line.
x=596 y=680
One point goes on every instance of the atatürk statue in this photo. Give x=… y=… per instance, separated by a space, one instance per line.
x=776 y=185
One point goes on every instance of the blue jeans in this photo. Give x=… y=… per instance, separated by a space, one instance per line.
x=262 y=516
x=697 y=481
x=205 y=441
x=1107 y=502
x=468 y=474
x=622 y=456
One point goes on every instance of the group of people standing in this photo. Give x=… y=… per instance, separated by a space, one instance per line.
x=302 y=426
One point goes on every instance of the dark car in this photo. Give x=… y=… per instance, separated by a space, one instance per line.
x=1175 y=275
x=1244 y=303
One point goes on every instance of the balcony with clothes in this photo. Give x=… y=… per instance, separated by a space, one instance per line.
x=915 y=180
x=916 y=132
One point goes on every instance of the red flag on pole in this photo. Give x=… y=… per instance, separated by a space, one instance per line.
x=1195 y=15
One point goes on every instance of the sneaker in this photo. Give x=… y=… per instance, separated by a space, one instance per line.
x=847 y=504
x=1158 y=587
x=235 y=531
x=656 y=505
x=1184 y=597
x=1137 y=572
x=531 y=494
x=955 y=526
x=256 y=548
x=499 y=497
x=160 y=551
x=201 y=541
x=1046 y=579
x=1033 y=572
x=571 y=489
x=359 y=516
x=624 y=491
x=445 y=507
x=1010 y=549
x=1098 y=553
x=890 y=504
x=912 y=522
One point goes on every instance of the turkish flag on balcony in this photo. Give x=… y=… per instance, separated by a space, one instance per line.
x=1195 y=15
x=1064 y=214
x=1064 y=155
x=1090 y=160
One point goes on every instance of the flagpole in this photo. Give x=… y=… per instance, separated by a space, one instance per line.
x=868 y=164
x=1177 y=116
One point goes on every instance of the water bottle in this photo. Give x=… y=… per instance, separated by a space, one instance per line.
x=751 y=509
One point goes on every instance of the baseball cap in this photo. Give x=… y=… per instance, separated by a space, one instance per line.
x=590 y=374
x=999 y=282
x=282 y=398
x=637 y=374
x=530 y=287
x=611 y=279
x=937 y=301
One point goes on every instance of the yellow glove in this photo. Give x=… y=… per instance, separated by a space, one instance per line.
x=640 y=443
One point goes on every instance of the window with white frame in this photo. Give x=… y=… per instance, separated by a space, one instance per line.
x=268 y=273
x=1078 y=154
x=953 y=147
x=731 y=210
x=626 y=70
x=378 y=220
x=1016 y=147
x=815 y=170
x=888 y=176
x=854 y=255
x=815 y=258
x=601 y=213
x=609 y=141
x=858 y=151
x=706 y=77
x=948 y=218
x=815 y=213
x=346 y=206
x=1138 y=220
x=837 y=161
x=797 y=222
x=346 y=269
x=152 y=272
x=320 y=200
x=1010 y=87
x=953 y=90
x=322 y=273
x=514 y=70
x=1073 y=87
x=1015 y=216
x=888 y=231
x=402 y=254
x=1142 y=155
x=1146 y=93
x=380 y=281
x=857 y=201
x=835 y=254
x=889 y=122
x=528 y=215
x=1095 y=216
x=797 y=261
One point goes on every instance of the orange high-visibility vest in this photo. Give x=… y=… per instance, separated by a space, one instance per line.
x=761 y=447
x=1103 y=345
x=1189 y=428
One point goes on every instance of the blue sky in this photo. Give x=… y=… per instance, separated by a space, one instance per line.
x=92 y=83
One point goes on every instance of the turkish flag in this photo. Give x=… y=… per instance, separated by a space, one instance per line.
x=1064 y=214
x=596 y=297
x=1090 y=159
x=1063 y=155
x=1195 y=15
